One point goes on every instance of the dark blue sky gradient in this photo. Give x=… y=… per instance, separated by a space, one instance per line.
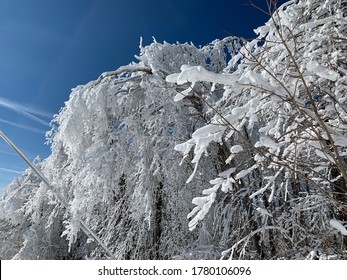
x=49 y=47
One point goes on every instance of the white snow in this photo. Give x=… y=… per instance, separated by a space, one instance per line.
x=236 y=149
x=112 y=153
x=322 y=71
x=227 y=173
x=245 y=172
x=266 y=142
x=262 y=30
x=264 y=212
x=337 y=225
x=195 y=74
x=340 y=140
x=324 y=155
x=203 y=206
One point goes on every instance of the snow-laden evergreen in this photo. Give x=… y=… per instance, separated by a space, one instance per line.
x=185 y=155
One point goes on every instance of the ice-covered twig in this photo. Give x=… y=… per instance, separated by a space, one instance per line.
x=119 y=71
x=246 y=239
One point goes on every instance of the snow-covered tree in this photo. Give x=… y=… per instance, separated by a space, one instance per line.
x=113 y=161
x=282 y=121
x=262 y=129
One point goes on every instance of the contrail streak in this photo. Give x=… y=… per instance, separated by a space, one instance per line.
x=33 y=129
x=25 y=111
x=11 y=170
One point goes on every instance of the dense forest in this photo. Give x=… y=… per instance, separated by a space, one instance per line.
x=233 y=150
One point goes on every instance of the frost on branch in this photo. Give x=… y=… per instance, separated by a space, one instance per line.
x=284 y=104
x=337 y=225
x=193 y=74
x=263 y=139
x=113 y=160
x=322 y=71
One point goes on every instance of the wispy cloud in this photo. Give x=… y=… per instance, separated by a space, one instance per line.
x=10 y=170
x=8 y=153
x=27 y=111
x=33 y=129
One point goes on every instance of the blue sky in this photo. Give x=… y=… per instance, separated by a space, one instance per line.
x=49 y=47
